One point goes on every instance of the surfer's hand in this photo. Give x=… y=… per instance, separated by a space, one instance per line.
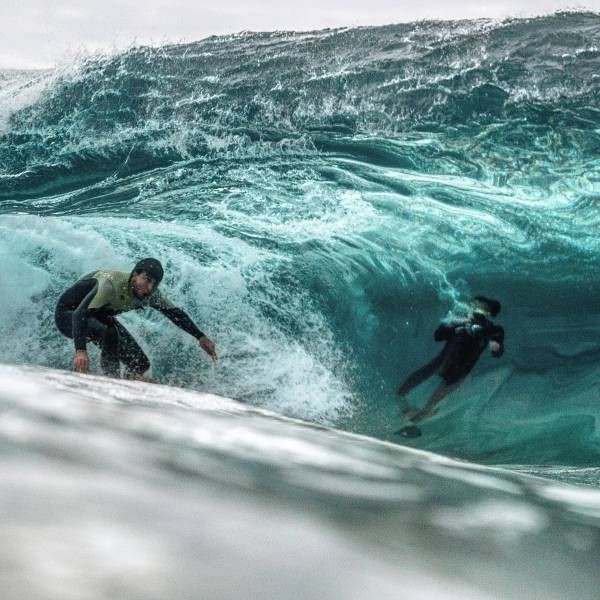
x=81 y=363
x=494 y=346
x=208 y=347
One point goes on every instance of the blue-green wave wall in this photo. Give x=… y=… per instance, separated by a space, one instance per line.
x=320 y=201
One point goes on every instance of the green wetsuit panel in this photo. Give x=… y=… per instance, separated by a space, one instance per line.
x=115 y=294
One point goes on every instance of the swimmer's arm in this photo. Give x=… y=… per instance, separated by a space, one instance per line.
x=496 y=341
x=446 y=331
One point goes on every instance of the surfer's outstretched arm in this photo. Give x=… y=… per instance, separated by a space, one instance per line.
x=183 y=321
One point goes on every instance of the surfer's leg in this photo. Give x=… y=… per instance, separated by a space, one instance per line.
x=136 y=361
x=106 y=337
x=443 y=390
x=109 y=354
x=416 y=378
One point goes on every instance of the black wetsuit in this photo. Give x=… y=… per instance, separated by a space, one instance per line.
x=462 y=350
x=87 y=310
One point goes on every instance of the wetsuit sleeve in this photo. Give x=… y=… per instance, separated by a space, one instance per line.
x=90 y=286
x=496 y=334
x=445 y=331
x=175 y=314
x=181 y=319
x=99 y=293
x=159 y=301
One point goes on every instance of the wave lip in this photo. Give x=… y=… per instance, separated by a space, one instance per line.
x=181 y=101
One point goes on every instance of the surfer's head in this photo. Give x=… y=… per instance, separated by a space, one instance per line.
x=146 y=277
x=485 y=306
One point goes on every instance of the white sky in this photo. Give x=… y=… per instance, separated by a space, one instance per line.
x=40 y=33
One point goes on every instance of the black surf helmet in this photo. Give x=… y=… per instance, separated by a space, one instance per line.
x=150 y=266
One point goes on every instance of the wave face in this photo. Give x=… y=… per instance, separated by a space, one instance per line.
x=158 y=492
x=320 y=201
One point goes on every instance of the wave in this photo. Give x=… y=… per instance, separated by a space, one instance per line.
x=321 y=200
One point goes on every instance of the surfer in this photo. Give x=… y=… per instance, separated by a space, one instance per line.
x=87 y=312
x=465 y=341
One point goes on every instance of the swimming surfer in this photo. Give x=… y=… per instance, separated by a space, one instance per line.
x=465 y=341
x=87 y=311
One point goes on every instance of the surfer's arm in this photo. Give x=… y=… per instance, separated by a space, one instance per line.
x=96 y=295
x=182 y=320
x=175 y=314
x=90 y=288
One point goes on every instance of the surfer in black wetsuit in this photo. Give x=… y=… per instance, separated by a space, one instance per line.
x=465 y=341
x=87 y=312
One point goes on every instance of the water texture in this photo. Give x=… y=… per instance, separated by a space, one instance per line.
x=320 y=201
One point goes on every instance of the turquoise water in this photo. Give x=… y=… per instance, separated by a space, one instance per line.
x=320 y=201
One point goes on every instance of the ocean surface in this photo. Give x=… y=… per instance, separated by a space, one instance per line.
x=320 y=202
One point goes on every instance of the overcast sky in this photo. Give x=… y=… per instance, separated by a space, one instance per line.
x=40 y=33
